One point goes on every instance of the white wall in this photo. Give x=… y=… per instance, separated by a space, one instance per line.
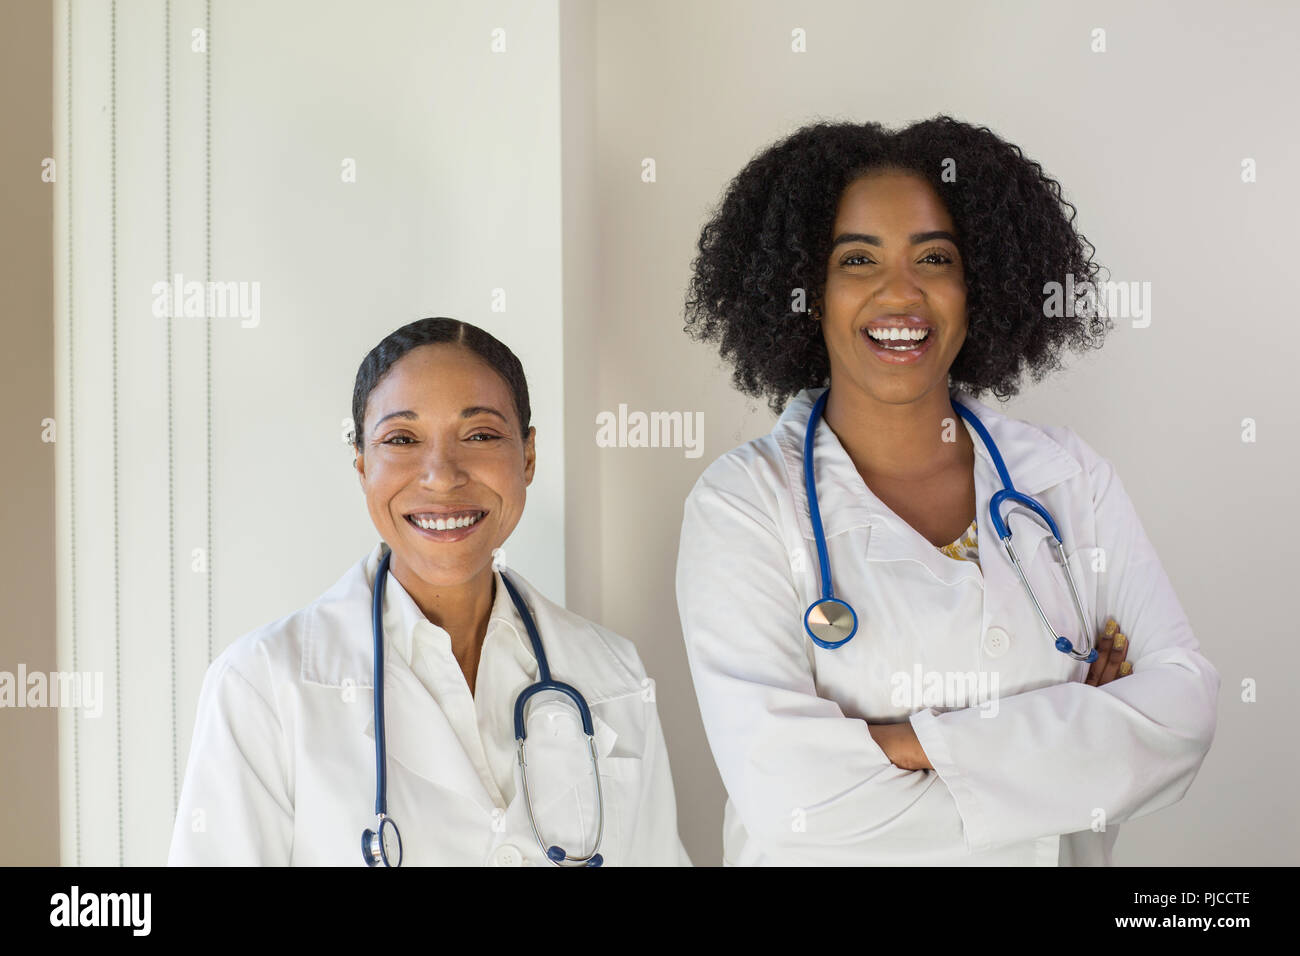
x=521 y=171
x=456 y=195
x=1147 y=140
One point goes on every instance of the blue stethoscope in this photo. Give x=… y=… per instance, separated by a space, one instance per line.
x=383 y=845
x=831 y=622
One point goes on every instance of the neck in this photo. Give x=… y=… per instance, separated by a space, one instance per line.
x=462 y=610
x=898 y=442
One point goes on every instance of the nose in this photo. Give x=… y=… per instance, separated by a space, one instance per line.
x=442 y=467
x=899 y=285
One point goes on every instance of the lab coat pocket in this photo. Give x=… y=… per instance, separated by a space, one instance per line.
x=560 y=781
x=556 y=751
x=620 y=784
x=573 y=820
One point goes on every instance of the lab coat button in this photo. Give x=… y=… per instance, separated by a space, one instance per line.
x=996 y=642
x=508 y=855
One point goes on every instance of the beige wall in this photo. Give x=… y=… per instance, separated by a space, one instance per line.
x=582 y=335
x=29 y=782
x=1147 y=140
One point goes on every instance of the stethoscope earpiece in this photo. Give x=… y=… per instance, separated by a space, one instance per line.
x=557 y=855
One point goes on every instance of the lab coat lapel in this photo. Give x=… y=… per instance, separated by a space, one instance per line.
x=418 y=735
x=1005 y=603
x=338 y=652
x=576 y=652
x=338 y=648
x=1034 y=461
x=1047 y=469
x=1033 y=458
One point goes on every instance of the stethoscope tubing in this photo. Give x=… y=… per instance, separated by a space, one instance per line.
x=554 y=853
x=1007 y=493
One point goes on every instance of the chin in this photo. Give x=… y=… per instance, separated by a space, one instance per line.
x=447 y=571
x=895 y=389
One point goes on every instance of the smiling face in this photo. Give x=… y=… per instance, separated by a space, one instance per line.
x=894 y=269
x=442 y=443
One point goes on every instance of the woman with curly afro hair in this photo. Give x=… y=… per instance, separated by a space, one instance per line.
x=870 y=284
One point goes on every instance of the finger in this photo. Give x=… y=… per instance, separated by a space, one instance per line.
x=1097 y=666
x=1103 y=653
x=1117 y=651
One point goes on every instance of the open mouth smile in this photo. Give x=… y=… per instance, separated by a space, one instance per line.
x=446 y=526
x=899 y=341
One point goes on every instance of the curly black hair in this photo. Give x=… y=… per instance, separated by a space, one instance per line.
x=771 y=235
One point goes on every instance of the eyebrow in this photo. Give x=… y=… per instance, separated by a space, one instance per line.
x=464 y=413
x=915 y=238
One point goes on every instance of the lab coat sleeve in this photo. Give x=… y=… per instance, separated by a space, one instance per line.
x=1067 y=757
x=235 y=804
x=809 y=783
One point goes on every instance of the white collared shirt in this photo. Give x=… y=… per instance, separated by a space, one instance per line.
x=481 y=720
x=1056 y=765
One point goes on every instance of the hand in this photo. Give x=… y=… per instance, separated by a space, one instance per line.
x=900 y=744
x=1112 y=649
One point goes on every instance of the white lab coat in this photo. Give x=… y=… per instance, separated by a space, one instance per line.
x=282 y=766
x=787 y=720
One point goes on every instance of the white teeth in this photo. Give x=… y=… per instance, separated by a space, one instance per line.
x=888 y=335
x=907 y=338
x=446 y=524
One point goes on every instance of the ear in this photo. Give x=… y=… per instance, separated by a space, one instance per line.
x=359 y=463
x=530 y=455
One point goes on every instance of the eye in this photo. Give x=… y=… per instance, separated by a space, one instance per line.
x=393 y=440
x=488 y=435
x=944 y=258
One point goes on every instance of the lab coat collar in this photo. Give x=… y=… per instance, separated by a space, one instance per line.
x=338 y=652
x=338 y=646
x=403 y=617
x=1034 y=460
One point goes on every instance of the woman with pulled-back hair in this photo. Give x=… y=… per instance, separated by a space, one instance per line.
x=323 y=739
x=874 y=677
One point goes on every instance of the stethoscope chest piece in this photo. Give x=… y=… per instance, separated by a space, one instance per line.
x=383 y=848
x=830 y=622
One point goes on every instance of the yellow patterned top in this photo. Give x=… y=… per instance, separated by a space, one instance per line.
x=965 y=548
